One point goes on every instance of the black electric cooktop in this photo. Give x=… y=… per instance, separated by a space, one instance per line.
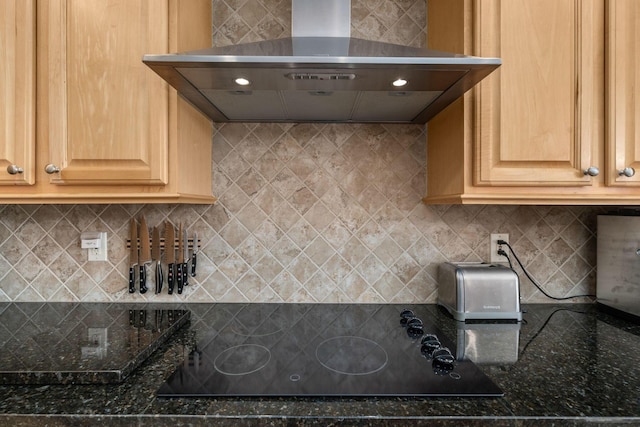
x=324 y=350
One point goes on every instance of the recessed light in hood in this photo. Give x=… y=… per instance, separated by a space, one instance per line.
x=321 y=75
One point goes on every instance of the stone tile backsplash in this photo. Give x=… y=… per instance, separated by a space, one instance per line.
x=306 y=212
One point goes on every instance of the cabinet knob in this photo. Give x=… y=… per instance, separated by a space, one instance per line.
x=51 y=169
x=592 y=171
x=14 y=169
x=628 y=172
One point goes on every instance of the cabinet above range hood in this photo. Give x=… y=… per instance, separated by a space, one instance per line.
x=321 y=74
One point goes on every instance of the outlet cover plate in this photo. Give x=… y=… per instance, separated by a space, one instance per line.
x=100 y=253
x=494 y=247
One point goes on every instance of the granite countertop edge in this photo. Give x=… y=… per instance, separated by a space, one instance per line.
x=291 y=420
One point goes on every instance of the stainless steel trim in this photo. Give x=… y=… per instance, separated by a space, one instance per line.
x=326 y=18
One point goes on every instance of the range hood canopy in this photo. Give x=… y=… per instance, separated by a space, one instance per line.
x=321 y=75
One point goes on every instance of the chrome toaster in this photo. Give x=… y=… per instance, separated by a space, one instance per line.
x=479 y=291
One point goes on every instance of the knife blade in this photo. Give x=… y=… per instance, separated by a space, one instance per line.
x=145 y=254
x=133 y=254
x=159 y=315
x=194 y=255
x=170 y=254
x=156 y=255
x=185 y=261
x=180 y=260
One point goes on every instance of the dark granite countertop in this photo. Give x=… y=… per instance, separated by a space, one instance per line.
x=566 y=365
x=80 y=343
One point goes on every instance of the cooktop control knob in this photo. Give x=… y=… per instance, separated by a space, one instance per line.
x=430 y=343
x=415 y=322
x=415 y=328
x=443 y=361
x=405 y=316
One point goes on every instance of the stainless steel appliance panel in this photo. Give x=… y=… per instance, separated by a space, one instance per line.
x=618 y=258
x=474 y=290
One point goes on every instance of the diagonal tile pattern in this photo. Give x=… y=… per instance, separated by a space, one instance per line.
x=258 y=245
x=306 y=212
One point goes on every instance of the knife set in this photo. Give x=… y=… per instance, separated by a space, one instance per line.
x=145 y=250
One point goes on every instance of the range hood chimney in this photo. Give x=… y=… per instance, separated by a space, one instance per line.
x=320 y=74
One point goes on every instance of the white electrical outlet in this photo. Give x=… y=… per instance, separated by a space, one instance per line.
x=495 y=246
x=99 y=253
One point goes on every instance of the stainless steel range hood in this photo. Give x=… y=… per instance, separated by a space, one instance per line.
x=321 y=74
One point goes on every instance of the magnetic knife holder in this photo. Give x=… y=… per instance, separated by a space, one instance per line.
x=176 y=242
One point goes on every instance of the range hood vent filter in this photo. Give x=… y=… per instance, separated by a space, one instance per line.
x=320 y=75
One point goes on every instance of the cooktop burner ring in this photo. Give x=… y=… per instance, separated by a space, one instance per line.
x=260 y=354
x=266 y=321
x=238 y=331
x=334 y=356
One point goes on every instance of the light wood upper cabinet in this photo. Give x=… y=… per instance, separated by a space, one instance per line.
x=17 y=92
x=108 y=118
x=111 y=129
x=623 y=92
x=537 y=112
x=527 y=133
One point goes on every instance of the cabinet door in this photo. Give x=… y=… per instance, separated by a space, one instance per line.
x=107 y=111
x=538 y=116
x=623 y=91
x=17 y=92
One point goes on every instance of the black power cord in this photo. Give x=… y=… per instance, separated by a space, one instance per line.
x=504 y=254
x=544 y=325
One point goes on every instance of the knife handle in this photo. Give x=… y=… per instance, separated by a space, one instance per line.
x=179 y=277
x=132 y=279
x=185 y=273
x=170 y=276
x=193 y=264
x=159 y=277
x=143 y=279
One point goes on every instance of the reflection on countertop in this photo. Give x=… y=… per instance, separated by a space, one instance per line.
x=79 y=343
x=487 y=343
x=575 y=365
